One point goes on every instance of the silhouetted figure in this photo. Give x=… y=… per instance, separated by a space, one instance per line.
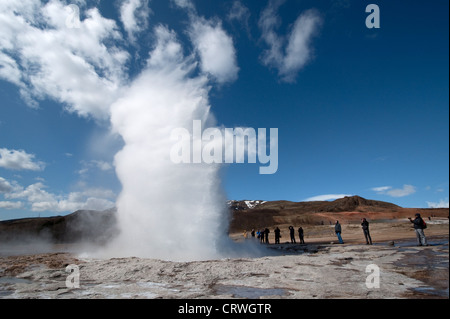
x=277 y=232
x=365 y=227
x=292 y=233
x=266 y=237
x=419 y=226
x=261 y=236
x=253 y=233
x=300 y=235
x=338 y=230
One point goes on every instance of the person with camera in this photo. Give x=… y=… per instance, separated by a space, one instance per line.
x=419 y=226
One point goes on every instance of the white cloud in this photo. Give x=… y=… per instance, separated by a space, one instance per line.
x=381 y=189
x=41 y=200
x=241 y=14
x=33 y=193
x=167 y=49
x=98 y=164
x=84 y=67
x=5 y=186
x=185 y=4
x=215 y=48
x=290 y=53
x=326 y=197
x=9 y=70
x=212 y=44
x=19 y=160
x=102 y=165
x=395 y=192
x=443 y=203
x=401 y=192
x=45 y=57
x=134 y=15
x=10 y=205
x=74 y=201
x=298 y=50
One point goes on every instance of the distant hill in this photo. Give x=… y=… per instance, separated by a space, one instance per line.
x=349 y=209
x=346 y=204
x=80 y=226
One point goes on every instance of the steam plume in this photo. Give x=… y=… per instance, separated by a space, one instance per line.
x=165 y=210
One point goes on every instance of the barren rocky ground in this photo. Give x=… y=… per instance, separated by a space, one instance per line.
x=318 y=269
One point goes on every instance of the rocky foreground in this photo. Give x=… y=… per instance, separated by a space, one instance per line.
x=288 y=271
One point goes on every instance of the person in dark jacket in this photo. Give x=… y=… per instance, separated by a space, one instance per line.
x=365 y=228
x=300 y=235
x=419 y=226
x=292 y=233
x=338 y=230
x=266 y=235
x=277 y=232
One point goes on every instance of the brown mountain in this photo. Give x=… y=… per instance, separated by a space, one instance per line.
x=348 y=209
x=80 y=226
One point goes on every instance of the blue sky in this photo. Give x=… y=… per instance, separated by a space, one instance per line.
x=365 y=112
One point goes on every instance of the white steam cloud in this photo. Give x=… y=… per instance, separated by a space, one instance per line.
x=165 y=210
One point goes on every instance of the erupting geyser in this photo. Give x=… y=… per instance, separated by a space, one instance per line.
x=82 y=60
x=165 y=210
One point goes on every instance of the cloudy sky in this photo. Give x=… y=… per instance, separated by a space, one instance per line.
x=359 y=111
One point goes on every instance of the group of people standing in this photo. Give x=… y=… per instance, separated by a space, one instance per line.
x=364 y=226
x=263 y=235
x=419 y=226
